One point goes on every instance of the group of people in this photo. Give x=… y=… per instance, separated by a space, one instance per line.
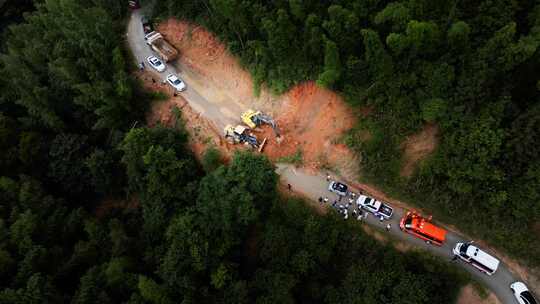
x=344 y=209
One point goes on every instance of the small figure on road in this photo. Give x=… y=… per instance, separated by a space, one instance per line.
x=351 y=201
x=381 y=218
x=153 y=80
x=289 y=187
x=141 y=66
x=354 y=212
x=328 y=177
x=334 y=204
x=359 y=218
x=388 y=227
x=320 y=200
x=325 y=200
x=353 y=195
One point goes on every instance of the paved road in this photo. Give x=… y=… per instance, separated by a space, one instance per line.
x=223 y=112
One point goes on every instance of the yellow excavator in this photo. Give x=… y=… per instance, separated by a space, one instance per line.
x=254 y=119
x=241 y=134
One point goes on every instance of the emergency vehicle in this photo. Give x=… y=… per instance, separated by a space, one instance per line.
x=421 y=227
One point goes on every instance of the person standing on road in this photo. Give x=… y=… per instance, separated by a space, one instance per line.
x=388 y=227
x=141 y=66
x=325 y=200
x=328 y=177
x=320 y=200
x=289 y=187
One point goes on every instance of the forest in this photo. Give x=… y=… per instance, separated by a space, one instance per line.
x=471 y=68
x=95 y=207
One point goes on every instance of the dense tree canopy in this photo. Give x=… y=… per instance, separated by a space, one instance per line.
x=97 y=208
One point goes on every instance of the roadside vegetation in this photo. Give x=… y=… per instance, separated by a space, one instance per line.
x=72 y=137
x=470 y=67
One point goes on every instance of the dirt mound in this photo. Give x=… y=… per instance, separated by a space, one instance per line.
x=418 y=146
x=312 y=120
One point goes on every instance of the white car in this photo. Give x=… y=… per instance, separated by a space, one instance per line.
x=338 y=188
x=176 y=82
x=374 y=206
x=522 y=293
x=156 y=63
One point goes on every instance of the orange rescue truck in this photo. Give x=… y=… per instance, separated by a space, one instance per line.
x=422 y=227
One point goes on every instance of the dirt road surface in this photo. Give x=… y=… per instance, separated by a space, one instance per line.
x=220 y=110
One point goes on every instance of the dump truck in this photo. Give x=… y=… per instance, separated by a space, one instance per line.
x=164 y=49
x=241 y=134
x=254 y=119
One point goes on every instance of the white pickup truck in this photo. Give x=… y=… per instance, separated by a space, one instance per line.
x=374 y=206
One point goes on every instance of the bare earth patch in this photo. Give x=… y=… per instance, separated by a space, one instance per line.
x=417 y=147
x=311 y=119
x=469 y=295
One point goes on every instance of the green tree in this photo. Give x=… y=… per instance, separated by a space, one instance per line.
x=332 y=66
x=211 y=159
x=152 y=292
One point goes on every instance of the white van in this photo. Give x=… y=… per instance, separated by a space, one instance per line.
x=476 y=257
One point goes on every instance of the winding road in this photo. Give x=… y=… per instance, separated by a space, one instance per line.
x=222 y=112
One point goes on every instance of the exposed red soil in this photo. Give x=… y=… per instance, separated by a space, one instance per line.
x=417 y=147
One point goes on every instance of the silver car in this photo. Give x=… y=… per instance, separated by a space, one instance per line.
x=176 y=82
x=156 y=63
x=338 y=188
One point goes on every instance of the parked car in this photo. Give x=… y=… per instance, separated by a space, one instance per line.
x=522 y=293
x=338 y=188
x=176 y=82
x=156 y=63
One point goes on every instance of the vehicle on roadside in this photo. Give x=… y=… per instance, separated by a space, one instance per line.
x=134 y=4
x=374 y=206
x=478 y=258
x=522 y=293
x=338 y=188
x=421 y=227
x=156 y=63
x=164 y=49
x=176 y=82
